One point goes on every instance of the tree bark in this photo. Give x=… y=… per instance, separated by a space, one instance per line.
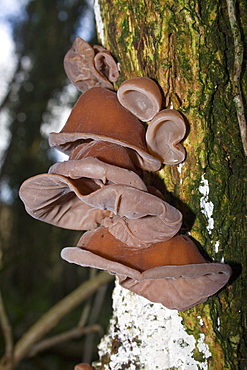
x=195 y=51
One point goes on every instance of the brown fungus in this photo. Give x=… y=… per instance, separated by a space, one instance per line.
x=56 y=197
x=88 y=66
x=99 y=172
x=71 y=202
x=99 y=116
x=141 y=96
x=172 y=273
x=107 y=152
x=50 y=198
x=132 y=230
x=105 y=64
x=140 y=217
x=142 y=232
x=164 y=134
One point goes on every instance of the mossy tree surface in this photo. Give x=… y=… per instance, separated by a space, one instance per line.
x=189 y=48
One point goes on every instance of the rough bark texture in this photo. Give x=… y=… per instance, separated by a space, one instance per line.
x=192 y=48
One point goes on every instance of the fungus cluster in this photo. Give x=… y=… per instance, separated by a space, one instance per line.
x=130 y=230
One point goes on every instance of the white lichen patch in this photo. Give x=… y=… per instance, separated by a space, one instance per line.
x=207 y=207
x=203 y=347
x=216 y=246
x=99 y=21
x=201 y=323
x=218 y=323
x=144 y=335
x=179 y=169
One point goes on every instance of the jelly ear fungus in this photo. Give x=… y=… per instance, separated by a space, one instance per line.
x=131 y=231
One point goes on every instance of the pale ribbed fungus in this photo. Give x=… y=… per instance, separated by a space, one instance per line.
x=99 y=116
x=172 y=273
x=141 y=96
x=164 y=134
x=88 y=66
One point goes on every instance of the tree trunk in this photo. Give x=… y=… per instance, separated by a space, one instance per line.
x=194 y=50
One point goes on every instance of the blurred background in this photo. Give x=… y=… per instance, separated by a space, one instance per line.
x=35 y=99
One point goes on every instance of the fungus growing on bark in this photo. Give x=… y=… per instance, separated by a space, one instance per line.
x=140 y=217
x=53 y=197
x=172 y=272
x=141 y=96
x=81 y=204
x=88 y=66
x=107 y=152
x=99 y=172
x=99 y=116
x=105 y=63
x=50 y=198
x=132 y=230
x=164 y=134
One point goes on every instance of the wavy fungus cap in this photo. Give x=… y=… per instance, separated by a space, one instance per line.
x=164 y=134
x=93 y=170
x=140 y=218
x=103 y=162
x=87 y=66
x=50 y=198
x=69 y=202
x=98 y=115
x=106 y=152
x=172 y=273
x=141 y=96
x=57 y=197
x=144 y=231
x=105 y=63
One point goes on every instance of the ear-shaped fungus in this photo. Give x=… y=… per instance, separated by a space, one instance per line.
x=99 y=116
x=56 y=197
x=141 y=96
x=50 y=198
x=107 y=152
x=103 y=163
x=132 y=230
x=164 y=134
x=144 y=231
x=172 y=273
x=105 y=64
x=88 y=66
x=142 y=217
x=69 y=203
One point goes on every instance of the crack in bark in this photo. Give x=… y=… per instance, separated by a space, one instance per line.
x=237 y=70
